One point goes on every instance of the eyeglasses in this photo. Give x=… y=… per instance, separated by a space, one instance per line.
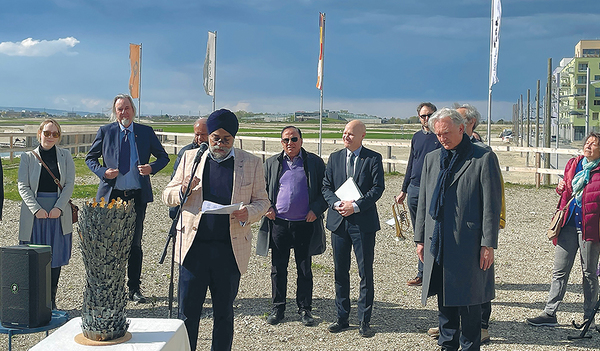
x=48 y=133
x=426 y=116
x=223 y=140
x=287 y=140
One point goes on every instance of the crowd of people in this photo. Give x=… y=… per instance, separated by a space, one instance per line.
x=453 y=186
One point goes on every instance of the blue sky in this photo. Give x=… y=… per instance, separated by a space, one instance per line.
x=381 y=57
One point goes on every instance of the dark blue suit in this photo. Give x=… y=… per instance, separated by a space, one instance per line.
x=357 y=230
x=106 y=145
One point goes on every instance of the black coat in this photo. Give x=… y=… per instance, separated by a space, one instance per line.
x=370 y=181
x=314 y=167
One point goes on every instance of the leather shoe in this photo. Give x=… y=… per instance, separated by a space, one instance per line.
x=417 y=281
x=306 y=317
x=338 y=326
x=434 y=332
x=365 y=330
x=485 y=336
x=136 y=296
x=275 y=317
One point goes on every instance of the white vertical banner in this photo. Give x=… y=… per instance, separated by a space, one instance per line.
x=209 y=64
x=496 y=16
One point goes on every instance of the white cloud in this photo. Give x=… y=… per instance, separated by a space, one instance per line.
x=32 y=47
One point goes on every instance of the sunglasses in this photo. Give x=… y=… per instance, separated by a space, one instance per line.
x=48 y=133
x=426 y=116
x=287 y=140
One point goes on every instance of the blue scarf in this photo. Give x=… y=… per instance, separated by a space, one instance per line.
x=582 y=178
x=447 y=161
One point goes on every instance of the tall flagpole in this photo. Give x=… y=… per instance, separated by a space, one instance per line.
x=494 y=41
x=489 y=111
x=320 y=76
x=321 y=125
x=215 y=77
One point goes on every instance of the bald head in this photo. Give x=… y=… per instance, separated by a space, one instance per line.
x=200 y=131
x=354 y=133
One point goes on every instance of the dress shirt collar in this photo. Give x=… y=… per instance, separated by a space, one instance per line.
x=356 y=152
x=122 y=128
x=287 y=158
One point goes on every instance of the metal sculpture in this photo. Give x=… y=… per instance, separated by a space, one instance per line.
x=106 y=232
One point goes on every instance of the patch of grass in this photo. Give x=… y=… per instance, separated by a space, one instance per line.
x=320 y=268
x=394 y=173
x=508 y=185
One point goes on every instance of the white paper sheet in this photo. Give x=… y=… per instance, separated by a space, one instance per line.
x=209 y=207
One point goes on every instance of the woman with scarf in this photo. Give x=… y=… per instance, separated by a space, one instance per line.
x=45 y=212
x=580 y=191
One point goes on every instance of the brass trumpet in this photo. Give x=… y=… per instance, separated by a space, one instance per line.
x=401 y=220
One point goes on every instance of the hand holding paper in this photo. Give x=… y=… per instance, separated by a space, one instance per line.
x=345 y=208
x=241 y=215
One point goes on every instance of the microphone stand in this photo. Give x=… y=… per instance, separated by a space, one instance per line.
x=173 y=235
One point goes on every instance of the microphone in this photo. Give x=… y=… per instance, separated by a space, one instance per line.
x=203 y=147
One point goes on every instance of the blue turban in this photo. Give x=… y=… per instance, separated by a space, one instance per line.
x=223 y=118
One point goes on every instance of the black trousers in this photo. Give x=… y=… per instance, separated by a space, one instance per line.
x=286 y=235
x=486 y=312
x=412 y=198
x=211 y=265
x=54 y=276
x=134 y=265
x=346 y=237
x=459 y=325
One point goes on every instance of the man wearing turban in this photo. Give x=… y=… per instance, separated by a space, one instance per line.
x=214 y=249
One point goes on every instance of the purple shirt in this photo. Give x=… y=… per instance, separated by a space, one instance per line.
x=292 y=197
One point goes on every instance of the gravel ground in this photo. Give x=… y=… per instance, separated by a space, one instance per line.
x=523 y=268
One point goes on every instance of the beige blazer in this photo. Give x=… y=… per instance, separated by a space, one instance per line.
x=29 y=176
x=248 y=188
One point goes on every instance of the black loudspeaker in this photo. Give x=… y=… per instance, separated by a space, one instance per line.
x=25 y=286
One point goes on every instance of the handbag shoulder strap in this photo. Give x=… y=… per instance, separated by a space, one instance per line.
x=48 y=169
x=567 y=204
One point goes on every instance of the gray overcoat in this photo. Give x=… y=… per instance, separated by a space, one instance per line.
x=471 y=220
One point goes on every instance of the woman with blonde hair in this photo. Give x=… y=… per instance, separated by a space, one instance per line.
x=45 y=211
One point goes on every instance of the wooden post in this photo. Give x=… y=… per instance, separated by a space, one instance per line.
x=175 y=142
x=263 y=142
x=537 y=175
x=528 y=124
x=389 y=156
x=12 y=144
